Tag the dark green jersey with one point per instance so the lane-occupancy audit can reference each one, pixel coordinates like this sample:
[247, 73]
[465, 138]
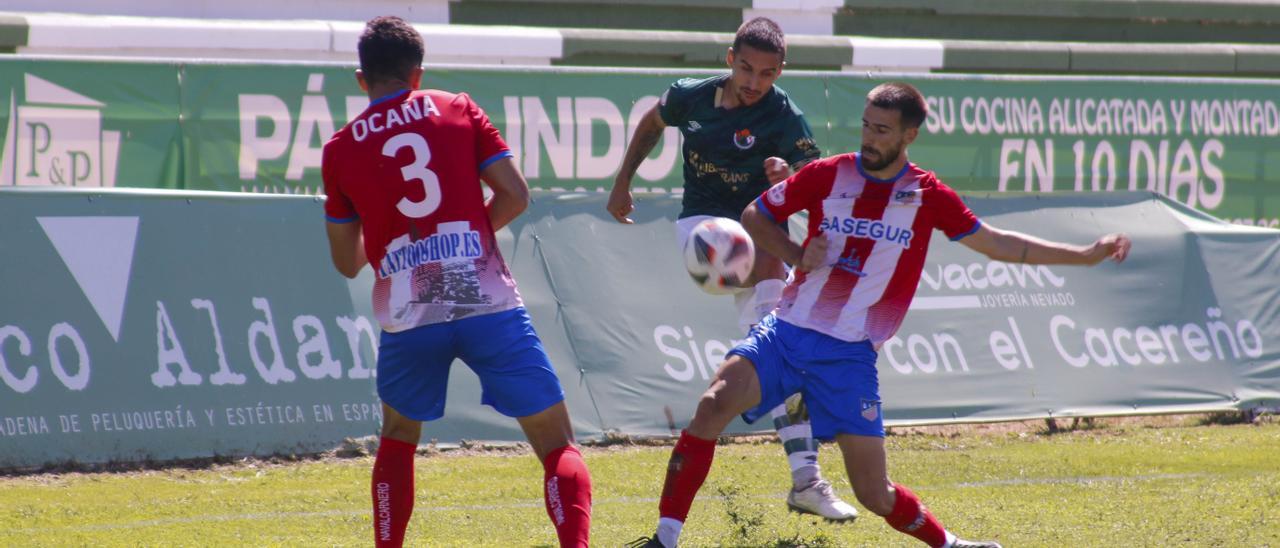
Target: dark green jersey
[724, 149]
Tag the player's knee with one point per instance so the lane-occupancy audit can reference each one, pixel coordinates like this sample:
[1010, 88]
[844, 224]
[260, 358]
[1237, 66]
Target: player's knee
[709, 405]
[548, 440]
[401, 428]
[715, 404]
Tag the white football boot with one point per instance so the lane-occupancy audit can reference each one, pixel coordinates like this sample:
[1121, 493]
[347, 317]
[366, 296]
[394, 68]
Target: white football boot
[820, 499]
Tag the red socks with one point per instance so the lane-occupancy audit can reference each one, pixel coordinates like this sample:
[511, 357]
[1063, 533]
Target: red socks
[566, 489]
[392, 489]
[911, 517]
[687, 469]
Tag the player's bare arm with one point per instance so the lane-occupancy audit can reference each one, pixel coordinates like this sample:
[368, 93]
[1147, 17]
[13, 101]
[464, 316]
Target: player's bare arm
[647, 135]
[510, 192]
[771, 237]
[346, 247]
[1016, 247]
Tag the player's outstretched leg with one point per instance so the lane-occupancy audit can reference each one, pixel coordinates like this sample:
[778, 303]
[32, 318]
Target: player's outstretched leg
[392, 483]
[810, 493]
[566, 483]
[864, 458]
[734, 389]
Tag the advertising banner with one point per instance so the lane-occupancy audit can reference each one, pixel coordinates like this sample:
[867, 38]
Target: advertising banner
[148, 325]
[1208, 144]
[1187, 323]
[259, 127]
[139, 325]
[100, 124]
[568, 128]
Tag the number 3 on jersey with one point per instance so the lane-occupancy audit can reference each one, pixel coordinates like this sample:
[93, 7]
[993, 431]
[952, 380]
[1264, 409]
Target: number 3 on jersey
[416, 170]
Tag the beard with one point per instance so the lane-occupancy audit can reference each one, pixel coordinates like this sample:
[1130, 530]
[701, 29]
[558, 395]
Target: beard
[878, 159]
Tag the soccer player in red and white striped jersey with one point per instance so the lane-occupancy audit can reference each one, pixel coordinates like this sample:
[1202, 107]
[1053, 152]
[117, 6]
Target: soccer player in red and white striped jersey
[881, 230]
[871, 215]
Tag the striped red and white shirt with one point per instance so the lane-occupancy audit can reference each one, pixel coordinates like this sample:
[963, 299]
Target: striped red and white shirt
[879, 233]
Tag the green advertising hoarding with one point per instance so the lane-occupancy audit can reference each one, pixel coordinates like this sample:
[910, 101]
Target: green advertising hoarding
[75, 123]
[139, 324]
[1209, 144]
[153, 325]
[259, 127]
[569, 128]
[143, 325]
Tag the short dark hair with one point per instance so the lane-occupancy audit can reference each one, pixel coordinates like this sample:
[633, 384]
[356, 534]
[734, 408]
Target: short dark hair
[902, 97]
[763, 34]
[389, 49]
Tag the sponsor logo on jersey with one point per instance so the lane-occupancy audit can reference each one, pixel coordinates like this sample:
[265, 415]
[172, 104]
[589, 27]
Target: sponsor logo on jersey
[432, 249]
[777, 194]
[852, 265]
[743, 139]
[808, 146]
[874, 229]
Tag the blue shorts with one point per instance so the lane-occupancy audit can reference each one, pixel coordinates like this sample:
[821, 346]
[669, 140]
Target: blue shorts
[837, 378]
[516, 377]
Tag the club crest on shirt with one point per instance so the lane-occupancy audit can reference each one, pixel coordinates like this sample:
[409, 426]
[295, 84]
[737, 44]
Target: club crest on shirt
[906, 196]
[870, 409]
[743, 139]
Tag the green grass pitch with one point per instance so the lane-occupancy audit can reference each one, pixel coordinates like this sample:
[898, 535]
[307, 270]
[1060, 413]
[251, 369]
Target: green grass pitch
[1122, 484]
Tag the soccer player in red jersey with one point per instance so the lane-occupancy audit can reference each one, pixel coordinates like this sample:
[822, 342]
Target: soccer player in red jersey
[403, 189]
[871, 214]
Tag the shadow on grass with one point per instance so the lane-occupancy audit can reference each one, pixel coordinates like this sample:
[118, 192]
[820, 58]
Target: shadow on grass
[1077, 424]
[1223, 418]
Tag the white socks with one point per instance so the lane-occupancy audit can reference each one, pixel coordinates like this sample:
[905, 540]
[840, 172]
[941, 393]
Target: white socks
[669, 531]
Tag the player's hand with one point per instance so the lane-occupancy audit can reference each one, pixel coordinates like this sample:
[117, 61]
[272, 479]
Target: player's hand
[776, 169]
[1112, 246]
[620, 203]
[815, 254]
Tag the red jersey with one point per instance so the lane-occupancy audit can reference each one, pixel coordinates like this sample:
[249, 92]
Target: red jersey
[879, 233]
[408, 168]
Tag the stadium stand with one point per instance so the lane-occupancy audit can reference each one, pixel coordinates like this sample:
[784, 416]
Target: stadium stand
[1197, 37]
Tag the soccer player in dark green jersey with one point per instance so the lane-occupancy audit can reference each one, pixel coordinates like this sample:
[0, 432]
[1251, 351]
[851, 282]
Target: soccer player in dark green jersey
[741, 135]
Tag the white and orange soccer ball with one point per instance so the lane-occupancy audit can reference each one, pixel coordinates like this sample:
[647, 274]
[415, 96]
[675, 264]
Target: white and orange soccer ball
[719, 255]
